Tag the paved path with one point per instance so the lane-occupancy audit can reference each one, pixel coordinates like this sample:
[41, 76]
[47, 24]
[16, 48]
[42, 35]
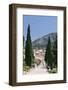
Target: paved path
[38, 70]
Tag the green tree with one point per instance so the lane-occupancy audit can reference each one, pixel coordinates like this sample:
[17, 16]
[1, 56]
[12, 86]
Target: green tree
[23, 50]
[28, 49]
[54, 51]
[48, 54]
[23, 41]
[51, 54]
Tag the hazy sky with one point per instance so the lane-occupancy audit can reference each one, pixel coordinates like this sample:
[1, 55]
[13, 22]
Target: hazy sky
[39, 25]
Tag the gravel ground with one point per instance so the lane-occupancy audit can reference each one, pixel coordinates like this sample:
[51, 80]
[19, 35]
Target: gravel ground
[38, 70]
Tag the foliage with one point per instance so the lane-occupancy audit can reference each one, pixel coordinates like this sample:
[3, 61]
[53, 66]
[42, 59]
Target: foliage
[28, 49]
[26, 68]
[48, 53]
[54, 50]
[51, 55]
[54, 70]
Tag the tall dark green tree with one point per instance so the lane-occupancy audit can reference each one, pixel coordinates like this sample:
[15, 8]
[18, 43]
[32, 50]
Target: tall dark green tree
[48, 54]
[28, 49]
[51, 54]
[23, 50]
[54, 51]
[23, 41]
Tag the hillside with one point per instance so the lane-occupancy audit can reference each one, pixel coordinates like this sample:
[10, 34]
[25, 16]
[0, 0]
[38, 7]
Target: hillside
[42, 41]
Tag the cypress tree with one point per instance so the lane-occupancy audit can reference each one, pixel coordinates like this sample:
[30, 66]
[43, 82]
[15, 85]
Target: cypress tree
[28, 49]
[54, 51]
[51, 54]
[23, 50]
[48, 54]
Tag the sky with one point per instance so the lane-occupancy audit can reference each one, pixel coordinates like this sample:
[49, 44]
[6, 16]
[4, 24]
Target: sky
[39, 25]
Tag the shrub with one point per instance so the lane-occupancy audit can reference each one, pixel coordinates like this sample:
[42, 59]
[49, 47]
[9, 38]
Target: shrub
[26, 68]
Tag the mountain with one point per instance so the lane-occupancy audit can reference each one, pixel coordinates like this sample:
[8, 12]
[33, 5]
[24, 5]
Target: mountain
[42, 42]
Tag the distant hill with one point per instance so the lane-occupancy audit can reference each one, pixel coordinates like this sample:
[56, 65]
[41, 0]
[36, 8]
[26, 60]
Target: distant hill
[42, 41]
